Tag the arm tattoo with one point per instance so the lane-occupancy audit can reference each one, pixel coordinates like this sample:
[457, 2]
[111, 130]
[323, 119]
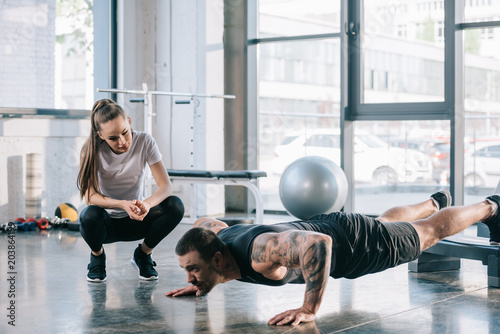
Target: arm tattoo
[309, 251]
[209, 224]
[260, 253]
[315, 260]
[282, 250]
[313, 255]
[298, 250]
[289, 250]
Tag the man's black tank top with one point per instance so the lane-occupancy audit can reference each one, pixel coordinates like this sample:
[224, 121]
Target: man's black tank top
[239, 240]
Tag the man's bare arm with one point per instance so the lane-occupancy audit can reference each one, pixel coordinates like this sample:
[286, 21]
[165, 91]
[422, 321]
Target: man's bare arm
[309, 251]
[315, 264]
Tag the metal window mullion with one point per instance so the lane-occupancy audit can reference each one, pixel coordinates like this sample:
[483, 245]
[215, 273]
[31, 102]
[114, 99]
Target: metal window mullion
[350, 88]
[434, 110]
[475, 25]
[354, 27]
[252, 41]
[456, 79]
[252, 79]
[113, 46]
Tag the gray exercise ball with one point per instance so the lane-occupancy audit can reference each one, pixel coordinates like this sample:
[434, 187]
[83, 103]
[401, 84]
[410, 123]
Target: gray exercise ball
[313, 185]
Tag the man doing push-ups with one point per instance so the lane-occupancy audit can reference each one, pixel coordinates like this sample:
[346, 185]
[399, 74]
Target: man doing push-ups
[336, 244]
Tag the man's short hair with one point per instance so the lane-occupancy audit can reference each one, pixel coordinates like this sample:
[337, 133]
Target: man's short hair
[202, 240]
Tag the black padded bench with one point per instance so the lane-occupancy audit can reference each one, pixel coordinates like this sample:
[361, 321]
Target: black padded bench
[245, 178]
[446, 255]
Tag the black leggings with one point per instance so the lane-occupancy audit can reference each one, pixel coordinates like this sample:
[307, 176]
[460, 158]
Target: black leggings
[98, 228]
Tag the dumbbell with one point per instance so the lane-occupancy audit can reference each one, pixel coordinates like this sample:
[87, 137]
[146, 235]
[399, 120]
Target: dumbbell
[30, 224]
[25, 225]
[42, 224]
[7, 227]
[21, 225]
[57, 222]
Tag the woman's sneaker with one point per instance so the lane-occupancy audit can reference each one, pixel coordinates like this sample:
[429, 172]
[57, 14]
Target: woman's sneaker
[442, 198]
[144, 265]
[97, 268]
[494, 222]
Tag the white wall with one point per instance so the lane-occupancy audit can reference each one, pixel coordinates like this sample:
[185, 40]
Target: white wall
[59, 142]
[176, 46]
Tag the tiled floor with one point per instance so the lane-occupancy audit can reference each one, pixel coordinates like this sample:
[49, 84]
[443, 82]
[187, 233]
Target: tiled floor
[53, 296]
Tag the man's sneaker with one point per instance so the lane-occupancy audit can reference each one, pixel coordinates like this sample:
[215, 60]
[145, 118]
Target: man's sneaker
[442, 198]
[494, 222]
[97, 268]
[144, 265]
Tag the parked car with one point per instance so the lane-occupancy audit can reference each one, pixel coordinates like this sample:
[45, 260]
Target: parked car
[374, 160]
[482, 167]
[437, 150]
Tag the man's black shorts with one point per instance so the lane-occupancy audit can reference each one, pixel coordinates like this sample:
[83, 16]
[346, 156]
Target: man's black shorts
[364, 245]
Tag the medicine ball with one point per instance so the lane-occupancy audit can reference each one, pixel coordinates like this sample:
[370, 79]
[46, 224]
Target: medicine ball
[67, 210]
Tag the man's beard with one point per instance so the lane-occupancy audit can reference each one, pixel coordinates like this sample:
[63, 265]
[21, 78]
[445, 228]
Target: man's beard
[211, 282]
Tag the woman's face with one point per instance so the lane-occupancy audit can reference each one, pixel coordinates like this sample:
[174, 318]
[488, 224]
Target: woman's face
[117, 134]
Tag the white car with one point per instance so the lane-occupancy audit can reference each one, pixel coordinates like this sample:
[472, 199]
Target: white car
[482, 168]
[374, 160]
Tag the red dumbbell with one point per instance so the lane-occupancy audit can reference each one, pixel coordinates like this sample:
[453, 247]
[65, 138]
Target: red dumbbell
[42, 223]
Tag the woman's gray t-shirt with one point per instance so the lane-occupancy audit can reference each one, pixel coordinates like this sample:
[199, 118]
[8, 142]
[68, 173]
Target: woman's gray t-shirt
[121, 176]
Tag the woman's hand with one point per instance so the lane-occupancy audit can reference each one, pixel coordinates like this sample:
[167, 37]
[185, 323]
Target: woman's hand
[136, 209]
[142, 206]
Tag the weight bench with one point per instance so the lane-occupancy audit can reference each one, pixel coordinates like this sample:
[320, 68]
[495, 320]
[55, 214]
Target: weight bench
[245, 178]
[446, 255]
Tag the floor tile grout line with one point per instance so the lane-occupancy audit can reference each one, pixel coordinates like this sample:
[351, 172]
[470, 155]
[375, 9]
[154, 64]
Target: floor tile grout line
[409, 310]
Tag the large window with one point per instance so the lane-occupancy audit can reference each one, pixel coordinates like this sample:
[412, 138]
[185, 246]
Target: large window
[46, 54]
[299, 87]
[413, 110]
